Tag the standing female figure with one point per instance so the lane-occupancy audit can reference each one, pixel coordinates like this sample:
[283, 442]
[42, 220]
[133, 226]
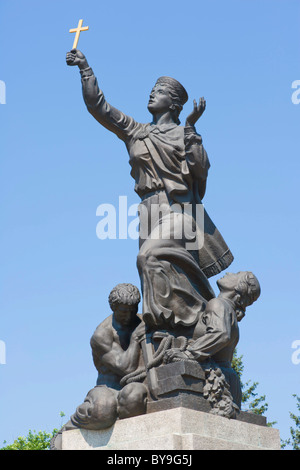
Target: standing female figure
[169, 165]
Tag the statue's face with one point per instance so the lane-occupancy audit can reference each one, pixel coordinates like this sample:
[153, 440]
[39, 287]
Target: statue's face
[125, 314]
[160, 100]
[98, 411]
[229, 281]
[84, 410]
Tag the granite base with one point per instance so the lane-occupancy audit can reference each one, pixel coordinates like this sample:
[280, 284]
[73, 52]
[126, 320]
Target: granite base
[175, 429]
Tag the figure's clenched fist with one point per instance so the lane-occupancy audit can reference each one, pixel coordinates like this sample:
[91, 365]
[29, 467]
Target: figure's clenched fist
[75, 57]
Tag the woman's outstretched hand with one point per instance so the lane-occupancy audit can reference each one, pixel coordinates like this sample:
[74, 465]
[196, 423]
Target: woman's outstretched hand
[197, 112]
[75, 57]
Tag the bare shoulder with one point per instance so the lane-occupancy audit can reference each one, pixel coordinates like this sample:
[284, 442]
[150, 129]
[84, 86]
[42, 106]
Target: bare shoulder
[104, 331]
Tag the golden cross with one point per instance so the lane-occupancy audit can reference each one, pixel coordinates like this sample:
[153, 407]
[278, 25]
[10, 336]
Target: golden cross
[78, 31]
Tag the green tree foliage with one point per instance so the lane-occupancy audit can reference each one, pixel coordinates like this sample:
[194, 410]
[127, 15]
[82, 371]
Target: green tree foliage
[251, 401]
[294, 440]
[33, 441]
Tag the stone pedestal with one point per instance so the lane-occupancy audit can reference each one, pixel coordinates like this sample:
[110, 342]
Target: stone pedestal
[175, 429]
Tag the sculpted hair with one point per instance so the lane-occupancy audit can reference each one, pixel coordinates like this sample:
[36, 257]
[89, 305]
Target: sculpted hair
[176, 104]
[127, 294]
[178, 94]
[249, 290]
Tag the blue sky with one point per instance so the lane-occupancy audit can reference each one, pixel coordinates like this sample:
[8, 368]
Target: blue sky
[58, 165]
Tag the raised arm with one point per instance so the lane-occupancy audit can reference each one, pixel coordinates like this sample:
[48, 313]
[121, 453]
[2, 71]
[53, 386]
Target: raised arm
[110, 117]
[196, 158]
[196, 155]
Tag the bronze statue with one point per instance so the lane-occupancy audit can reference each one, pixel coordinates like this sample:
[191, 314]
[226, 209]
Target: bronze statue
[115, 348]
[116, 353]
[178, 352]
